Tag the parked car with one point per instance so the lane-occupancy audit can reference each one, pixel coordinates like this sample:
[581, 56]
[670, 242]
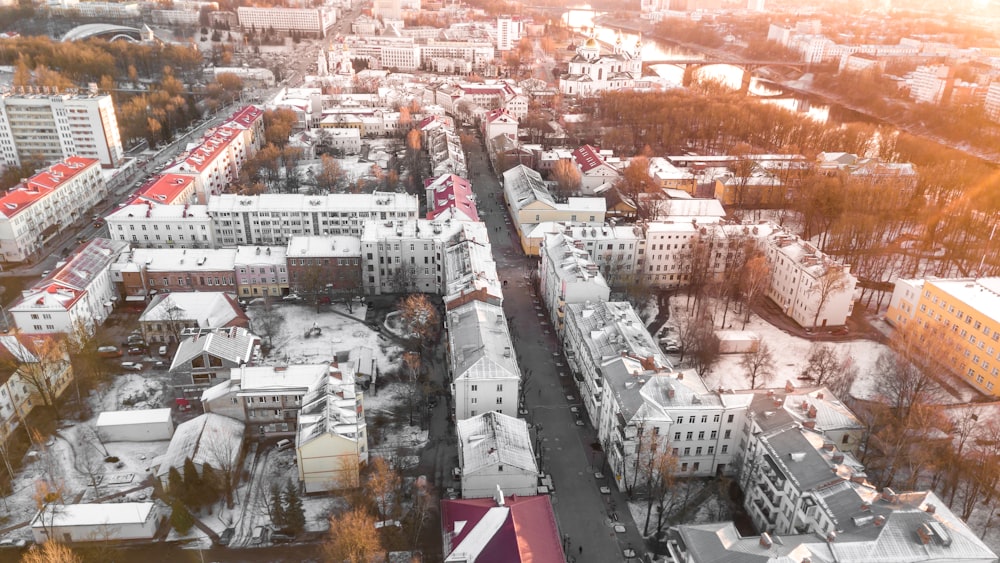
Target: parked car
[226, 536]
[291, 297]
[282, 537]
[132, 366]
[163, 350]
[136, 339]
[136, 351]
[109, 352]
[284, 444]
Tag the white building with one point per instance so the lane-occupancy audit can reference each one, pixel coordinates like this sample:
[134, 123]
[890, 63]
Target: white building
[992, 103]
[312, 22]
[596, 175]
[508, 32]
[808, 286]
[275, 218]
[269, 397]
[215, 162]
[928, 84]
[471, 273]
[150, 225]
[29, 364]
[331, 443]
[140, 425]
[567, 275]
[261, 271]
[80, 294]
[615, 249]
[494, 451]
[482, 368]
[498, 122]
[38, 209]
[591, 72]
[402, 256]
[59, 126]
[347, 140]
[73, 523]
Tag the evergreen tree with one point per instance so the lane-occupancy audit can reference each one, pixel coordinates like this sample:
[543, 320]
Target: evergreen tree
[193, 489]
[210, 484]
[180, 518]
[277, 507]
[295, 515]
[175, 484]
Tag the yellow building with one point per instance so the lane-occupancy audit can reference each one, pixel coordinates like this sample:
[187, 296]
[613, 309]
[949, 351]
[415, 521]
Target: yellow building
[965, 312]
[29, 362]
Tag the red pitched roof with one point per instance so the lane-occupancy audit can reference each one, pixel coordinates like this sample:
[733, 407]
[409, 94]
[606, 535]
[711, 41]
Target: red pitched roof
[245, 117]
[528, 535]
[210, 148]
[164, 188]
[42, 184]
[500, 114]
[587, 158]
[450, 191]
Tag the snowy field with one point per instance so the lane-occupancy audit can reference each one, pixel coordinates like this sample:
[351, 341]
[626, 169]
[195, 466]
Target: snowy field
[339, 334]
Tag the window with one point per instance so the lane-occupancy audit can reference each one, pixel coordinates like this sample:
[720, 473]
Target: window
[691, 419]
[714, 435]
[727, 434]
[704, 418]
[697, 451]
[684, 467]
[689, 436]
[676, 452]
[473, 400]
[500, 387]
[687, 451]
[711, 450]
[701, 435]
[845, 439]
[724, 449]
[695, 466]
[677, 436]
[730, 419]
[499, 400]
[475, 387]
[715, 418]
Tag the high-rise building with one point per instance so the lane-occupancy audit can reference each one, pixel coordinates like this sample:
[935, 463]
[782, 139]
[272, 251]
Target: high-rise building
[53, 127]
[508, 32]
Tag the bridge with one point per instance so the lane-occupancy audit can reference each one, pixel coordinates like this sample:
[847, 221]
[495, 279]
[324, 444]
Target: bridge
[748, 66]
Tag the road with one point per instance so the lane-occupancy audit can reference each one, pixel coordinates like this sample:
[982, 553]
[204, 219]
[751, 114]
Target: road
[585, 516]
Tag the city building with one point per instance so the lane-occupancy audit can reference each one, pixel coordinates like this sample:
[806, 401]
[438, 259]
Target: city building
[470, 273]
[932, 84]
[508, 32]
[567, 275]
[215, 162]
[206, 439]
[494, 451]
[511, 529]
[30, 365]
[668, 176]
[210, 354]
[331, 443]
[615, 249]
[144, 272]
[992, 102]
[810, 287]
[169, 314]
[276, 218]
[267, 398]
[38, 209]
[596, 175]
[59, 126]
[261, 271]
[167, 189]
[145, 224]
[499, 122]
[530, 203]
[450, 196]
[324, 266]
[961, 316]
[591, 72]
[482, 368]
[78, 295]
[85, 523]
[308, 22]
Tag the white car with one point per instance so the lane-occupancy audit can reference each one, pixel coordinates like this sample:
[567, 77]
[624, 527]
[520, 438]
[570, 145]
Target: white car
[291, 297]
[133, 366]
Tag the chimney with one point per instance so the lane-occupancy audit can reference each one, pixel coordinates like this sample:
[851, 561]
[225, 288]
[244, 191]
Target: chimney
[859, 478]
[680, 375]
[879, 520]
[788, 386]
[765, 540]
[810, 424]
[930, 508]
[924, 534]
[838, 457]
[805, 405]
[828, 446]
[770, 393]
[670, 392]
[831, 537]
[888, 495]
[865, 507]
[812, 412]
[819, 395]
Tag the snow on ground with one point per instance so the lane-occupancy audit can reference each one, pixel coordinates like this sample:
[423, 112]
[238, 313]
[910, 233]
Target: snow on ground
[790, 355]
[389, 397]
[131, 391]
[318, 511]
[649, 309]
[339, 334]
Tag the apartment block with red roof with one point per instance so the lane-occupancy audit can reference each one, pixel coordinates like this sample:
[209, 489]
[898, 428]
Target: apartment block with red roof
[215, 162]
[42, 206]
[450, 195]
[249, 120]
[500, 530]
[594, 170]
[167, 189]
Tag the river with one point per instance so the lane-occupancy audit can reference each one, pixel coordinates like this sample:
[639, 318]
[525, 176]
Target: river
[582, 18]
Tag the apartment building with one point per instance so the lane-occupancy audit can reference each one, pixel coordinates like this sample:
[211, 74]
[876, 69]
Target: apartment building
[992, 101]
[449, 195]
[401, 256]
[261, 271]
[961, 316]
[498, 122]
[79, 294]
[167, 189]
[481, 54]
[615, 249]
[596, 174]
[482, 367]
[600, 332]
[311, 22]
[38, 209]
[508, 32]
[470, 272]
[809, 286]
[144, 272]
[668, 176]
[58, 126]
[331, 441]
[324, 266]
[215, 162]
[168, 315]
[208, 355]
[273, 219]
[27, 362]
[529, 203]
[568, 276]
[932, 84]
[145, 224]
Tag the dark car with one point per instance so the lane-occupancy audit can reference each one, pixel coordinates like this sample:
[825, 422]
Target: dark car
[136, 351]
[282, 537]
[226, 536]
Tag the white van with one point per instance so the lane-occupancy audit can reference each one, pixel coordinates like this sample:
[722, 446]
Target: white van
[284, 444]
[134, 366]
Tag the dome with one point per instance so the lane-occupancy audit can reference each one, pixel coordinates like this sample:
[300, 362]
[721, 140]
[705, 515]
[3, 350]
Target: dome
[591, 43]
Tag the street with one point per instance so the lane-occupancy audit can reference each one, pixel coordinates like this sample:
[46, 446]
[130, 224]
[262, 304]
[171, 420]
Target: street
[586, 517]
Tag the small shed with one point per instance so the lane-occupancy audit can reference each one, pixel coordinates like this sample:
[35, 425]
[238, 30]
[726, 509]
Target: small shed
[144, 425]
[96, 522]
[737, 341]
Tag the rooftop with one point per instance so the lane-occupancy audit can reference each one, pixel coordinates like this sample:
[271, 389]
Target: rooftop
[265, 379]
[494, 438]
[208, 438]
[479, 343]
[250, 255]
[520, 530]
[613, 328]
[138, 416]
[525, 186]
[329, 246]
[330, 406]
[233, 344]
[166, 188]
[209, 309]
[300, 203]
[147, 209]
[103, 514]
[42, 184]
[178, 260]
[983, 294]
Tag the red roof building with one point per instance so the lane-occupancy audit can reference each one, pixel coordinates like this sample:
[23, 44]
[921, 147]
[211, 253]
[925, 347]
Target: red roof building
[450, 194]
[167, 189]
[515, 530]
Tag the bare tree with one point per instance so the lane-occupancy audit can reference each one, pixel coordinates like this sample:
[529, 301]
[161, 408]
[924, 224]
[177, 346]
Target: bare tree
[329, 176]
[421, 318]
[754, 281]
[226, 456]
[175, 319]
[41, 362]
[833, 281]
[705, 350]
[758, 364]
[268, 322]
[661, 476]
[50, 552]
[822, 363]
[567, 177]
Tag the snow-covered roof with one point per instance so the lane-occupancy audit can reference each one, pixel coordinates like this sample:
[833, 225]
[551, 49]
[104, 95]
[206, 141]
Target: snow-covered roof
[479, 343]
[208, 438]
[104, 514]
[299, 203]
[331, 406]
[210, 309]
[233, 344]
[524, 186]
[570, 262]
[179, 259]
[675, 208]
[138, 416]
[422, 229]
[269, 379]
[158, 211]
[88, 262]
[982, 294]
[253, 255]
[330, 246]
[469, 267]
[612, 328]
[493, 438]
